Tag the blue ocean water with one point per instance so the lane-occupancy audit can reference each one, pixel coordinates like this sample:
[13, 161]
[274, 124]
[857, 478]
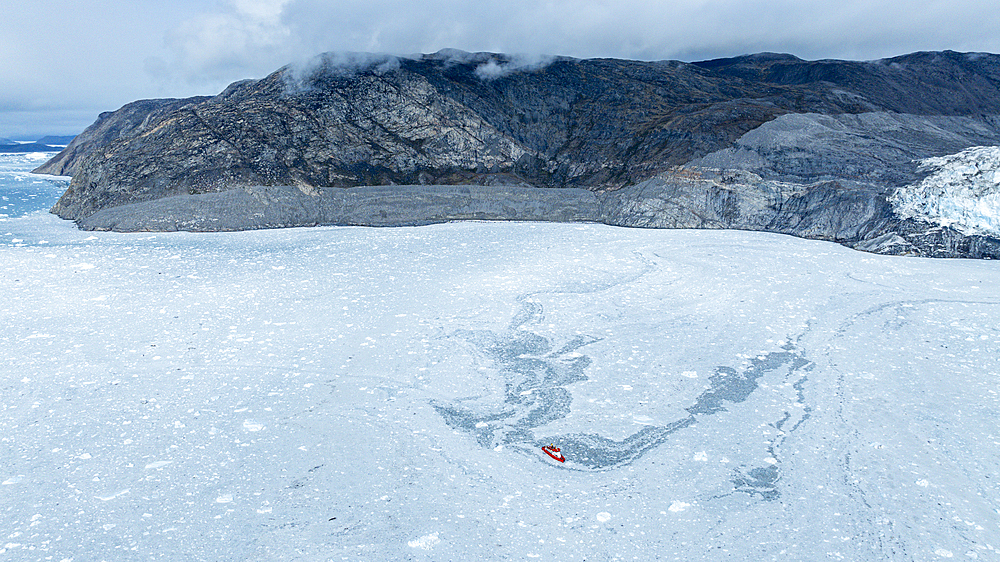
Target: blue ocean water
[23, 193]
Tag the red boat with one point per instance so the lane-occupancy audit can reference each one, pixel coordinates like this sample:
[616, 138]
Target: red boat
[553, 451]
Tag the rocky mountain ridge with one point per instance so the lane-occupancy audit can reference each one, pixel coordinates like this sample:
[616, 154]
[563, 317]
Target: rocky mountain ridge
[764, 142]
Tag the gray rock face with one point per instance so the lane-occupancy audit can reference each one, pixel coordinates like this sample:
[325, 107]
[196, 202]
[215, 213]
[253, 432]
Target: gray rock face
[763, 142]
[403, 205]
[877, 148]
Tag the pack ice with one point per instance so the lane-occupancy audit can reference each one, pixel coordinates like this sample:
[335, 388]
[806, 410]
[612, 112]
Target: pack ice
[384, 394]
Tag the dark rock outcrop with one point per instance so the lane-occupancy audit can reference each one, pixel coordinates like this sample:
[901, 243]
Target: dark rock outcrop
[111, 126]
[762, 142]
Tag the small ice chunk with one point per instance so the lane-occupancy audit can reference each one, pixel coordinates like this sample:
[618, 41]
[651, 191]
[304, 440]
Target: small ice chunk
[425, 542]
[701, 456]
[922, 483]
[224, 498]
[678, 506]
[157, 464]
[603, 517]
[690, 374]
[251, 425]
[113, 496]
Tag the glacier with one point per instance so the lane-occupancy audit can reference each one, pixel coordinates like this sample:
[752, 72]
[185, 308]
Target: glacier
[337, 393]
[961, 191]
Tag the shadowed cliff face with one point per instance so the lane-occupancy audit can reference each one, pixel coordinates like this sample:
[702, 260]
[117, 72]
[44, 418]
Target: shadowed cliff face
[846, 133]
[926, 83]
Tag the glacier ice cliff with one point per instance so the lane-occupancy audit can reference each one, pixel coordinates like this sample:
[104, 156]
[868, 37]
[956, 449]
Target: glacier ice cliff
[962, 191]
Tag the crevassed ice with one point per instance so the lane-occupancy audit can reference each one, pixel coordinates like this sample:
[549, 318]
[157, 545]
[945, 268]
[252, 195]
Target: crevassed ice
[962, 191]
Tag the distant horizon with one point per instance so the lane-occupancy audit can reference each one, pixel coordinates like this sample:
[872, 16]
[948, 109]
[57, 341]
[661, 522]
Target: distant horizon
[28, 139]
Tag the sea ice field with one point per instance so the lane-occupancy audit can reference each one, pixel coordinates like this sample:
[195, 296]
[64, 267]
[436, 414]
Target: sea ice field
[347, 393]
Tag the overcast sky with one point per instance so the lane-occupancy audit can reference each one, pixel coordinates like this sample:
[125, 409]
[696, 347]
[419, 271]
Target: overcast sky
[64, 61]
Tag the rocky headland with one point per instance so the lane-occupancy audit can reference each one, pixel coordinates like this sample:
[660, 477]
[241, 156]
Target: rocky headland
[818, 149]
[8, 146]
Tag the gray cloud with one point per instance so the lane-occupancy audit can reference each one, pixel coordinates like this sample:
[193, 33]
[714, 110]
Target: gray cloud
[494, 68]
[299, 75]
[94, 55]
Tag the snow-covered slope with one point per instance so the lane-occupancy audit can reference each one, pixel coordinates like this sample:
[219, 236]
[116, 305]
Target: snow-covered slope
[962, 191]
[382, 394]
